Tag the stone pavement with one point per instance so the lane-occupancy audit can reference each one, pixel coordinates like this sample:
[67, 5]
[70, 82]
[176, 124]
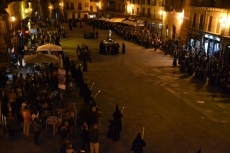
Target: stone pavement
[180, 114]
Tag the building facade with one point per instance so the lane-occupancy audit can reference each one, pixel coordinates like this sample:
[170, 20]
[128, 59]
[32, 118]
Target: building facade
[75, 9]
[208, 26]
[175, 19]
[148, 11]
[4, 39]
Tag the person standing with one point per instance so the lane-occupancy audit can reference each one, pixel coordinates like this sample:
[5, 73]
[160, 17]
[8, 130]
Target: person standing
[15, 73]
[37, 129]
[94, 139]
[117, 124]
[26, 121]
[63, 33]
[123, 48]
[64, 145]
[12, 97]
[85, 136]
[11, 125]
[138, 144]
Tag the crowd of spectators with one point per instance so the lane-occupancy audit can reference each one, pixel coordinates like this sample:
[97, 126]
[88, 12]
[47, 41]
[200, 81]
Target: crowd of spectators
[215, 68]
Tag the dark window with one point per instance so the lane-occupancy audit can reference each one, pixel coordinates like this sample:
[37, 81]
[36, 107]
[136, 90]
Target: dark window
[149, 14]
[201, 21]
[72, 6]
[67, 5]
[148, 2]
[143, 2]
[194, 20]
[210, 23]
[79, 6]
[143, 11]
[212, 3]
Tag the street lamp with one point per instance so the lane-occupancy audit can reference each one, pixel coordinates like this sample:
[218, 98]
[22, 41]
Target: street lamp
[161, 14]
[12, 20]
[13, 24]
[50, 8]
[129, 9]
[36, 15]
[97, 6]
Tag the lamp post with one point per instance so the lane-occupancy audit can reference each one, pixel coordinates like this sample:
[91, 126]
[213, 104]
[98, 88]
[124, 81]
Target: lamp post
[97, 10]
[129, 9]
[36, 16]
[97, 6]
[61, 10]
[50, 8]
[13, 24]
[161, 14]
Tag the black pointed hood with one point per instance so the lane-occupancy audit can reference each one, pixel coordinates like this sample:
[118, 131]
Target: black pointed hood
[138, 136]
[117, 113]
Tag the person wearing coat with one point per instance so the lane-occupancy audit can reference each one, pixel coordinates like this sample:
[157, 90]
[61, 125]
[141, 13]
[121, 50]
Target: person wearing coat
[138, 144]
[116, 124]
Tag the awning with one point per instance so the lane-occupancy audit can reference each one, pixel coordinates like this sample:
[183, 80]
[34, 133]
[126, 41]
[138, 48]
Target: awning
[140, 21]
[112, 20]
[102, 19]
[117, 19]
[128, 22]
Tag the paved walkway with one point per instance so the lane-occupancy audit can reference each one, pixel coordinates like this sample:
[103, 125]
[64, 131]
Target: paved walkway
[180, 114]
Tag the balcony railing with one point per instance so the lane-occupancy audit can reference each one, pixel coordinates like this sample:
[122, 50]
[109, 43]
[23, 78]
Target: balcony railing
[79, 8]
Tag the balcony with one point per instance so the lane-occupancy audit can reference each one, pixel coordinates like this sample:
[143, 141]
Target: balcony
[79, 8]
[72, 8]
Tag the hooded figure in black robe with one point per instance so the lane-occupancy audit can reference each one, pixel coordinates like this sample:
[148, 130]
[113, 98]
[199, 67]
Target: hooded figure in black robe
[79, 77]
[138, 144]
[123, 48]
[116, 124]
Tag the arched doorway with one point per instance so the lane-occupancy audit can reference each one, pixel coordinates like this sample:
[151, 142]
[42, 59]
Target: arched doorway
[85, 16]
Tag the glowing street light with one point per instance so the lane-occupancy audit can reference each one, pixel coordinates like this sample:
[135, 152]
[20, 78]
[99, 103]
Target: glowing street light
[26, 11]
[13, 18]
[50, 7]
[129, 9]
[12, 22]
